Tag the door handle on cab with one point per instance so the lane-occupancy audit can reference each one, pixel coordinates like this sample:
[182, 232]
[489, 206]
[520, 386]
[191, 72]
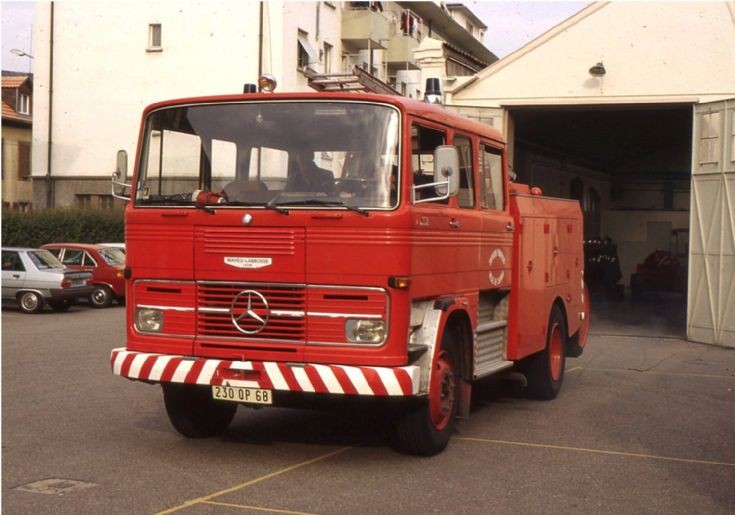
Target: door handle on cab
[509, 227]
[454, 223]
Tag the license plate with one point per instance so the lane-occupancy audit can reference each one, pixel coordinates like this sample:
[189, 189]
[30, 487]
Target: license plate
[79, 282]
[240, 394]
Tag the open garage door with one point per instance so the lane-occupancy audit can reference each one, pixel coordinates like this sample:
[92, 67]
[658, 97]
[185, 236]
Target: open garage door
[711, 304]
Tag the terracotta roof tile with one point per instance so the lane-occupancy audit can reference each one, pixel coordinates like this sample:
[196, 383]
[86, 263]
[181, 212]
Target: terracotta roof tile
[13, 81]
[8, 113]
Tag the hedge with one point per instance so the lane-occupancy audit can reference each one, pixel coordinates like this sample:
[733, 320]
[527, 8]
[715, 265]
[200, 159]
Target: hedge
[69, 225]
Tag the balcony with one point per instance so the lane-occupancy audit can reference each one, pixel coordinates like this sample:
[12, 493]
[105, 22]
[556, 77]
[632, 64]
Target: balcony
[365, 28]
[400, 52]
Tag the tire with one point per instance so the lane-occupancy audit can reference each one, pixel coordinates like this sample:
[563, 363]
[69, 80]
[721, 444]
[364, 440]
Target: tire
[545, 370]
[101, 297]
[30, 302]
[426, 430]
[60, 305]
[194, 413]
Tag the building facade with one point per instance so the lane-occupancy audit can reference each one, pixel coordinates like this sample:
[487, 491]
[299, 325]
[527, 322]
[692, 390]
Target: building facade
[17, 123]
[629, 107]
[98, 65]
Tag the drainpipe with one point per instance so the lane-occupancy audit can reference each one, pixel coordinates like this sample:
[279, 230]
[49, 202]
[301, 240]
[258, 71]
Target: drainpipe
[260, 40]
[49, 184]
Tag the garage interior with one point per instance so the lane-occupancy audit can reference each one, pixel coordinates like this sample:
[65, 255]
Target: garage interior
[630, 168]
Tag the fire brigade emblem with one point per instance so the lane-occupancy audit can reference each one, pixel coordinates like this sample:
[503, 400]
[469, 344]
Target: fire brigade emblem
[497, 267]
[249, 312]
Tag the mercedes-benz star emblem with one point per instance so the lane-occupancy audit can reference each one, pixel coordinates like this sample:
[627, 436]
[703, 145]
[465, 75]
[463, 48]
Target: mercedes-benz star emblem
[254, 316]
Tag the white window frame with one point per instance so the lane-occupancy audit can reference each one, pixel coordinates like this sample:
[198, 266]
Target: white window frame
[24, 104]
[153, 45]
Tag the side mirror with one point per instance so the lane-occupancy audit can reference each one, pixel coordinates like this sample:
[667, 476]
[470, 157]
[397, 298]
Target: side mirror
[446, 168]
[119, 175]
[446, 175]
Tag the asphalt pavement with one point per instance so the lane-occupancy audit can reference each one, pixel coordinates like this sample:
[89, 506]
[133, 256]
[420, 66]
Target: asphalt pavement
[645, 423]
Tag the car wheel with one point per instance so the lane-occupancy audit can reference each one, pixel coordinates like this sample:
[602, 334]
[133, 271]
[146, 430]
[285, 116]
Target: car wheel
[60, 305]
[101, 297]
[194, 413]
[426, 430]
[30, 302]
[545, 370]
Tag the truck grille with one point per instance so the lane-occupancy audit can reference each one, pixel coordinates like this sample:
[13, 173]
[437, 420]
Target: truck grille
[286, 304]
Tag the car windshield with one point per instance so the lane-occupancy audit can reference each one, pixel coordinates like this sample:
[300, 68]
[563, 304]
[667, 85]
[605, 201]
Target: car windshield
[270, 154]
[44, 260]
[112, 256]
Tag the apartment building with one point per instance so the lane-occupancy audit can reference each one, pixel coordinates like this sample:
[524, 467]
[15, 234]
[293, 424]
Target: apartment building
[99, 64]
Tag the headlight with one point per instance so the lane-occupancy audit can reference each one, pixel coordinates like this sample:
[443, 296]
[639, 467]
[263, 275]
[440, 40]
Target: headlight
[149, 320]
[365, 331]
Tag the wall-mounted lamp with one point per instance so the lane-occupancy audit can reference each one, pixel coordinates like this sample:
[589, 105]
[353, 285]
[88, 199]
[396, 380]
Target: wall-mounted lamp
[20, 53]
[598, 70]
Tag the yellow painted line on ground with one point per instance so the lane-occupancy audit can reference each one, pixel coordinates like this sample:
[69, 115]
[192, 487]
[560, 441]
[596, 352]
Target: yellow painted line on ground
[253, 481]
[255, 508]
[686, 374]
[572, 369]
[595, 451]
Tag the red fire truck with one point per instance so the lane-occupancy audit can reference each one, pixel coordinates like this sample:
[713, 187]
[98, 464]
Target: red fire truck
[289, 247]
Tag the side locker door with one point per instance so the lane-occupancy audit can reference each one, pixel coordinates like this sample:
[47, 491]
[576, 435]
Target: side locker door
[711, 293]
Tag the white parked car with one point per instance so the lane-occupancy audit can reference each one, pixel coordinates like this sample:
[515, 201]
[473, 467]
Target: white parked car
[34, 278]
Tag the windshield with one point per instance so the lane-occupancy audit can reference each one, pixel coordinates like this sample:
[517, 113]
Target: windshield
[316, 154]
[112, 256]
[44, 260]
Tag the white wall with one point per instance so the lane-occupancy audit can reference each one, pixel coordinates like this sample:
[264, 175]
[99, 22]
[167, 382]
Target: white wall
[649, 49]
[104, 77]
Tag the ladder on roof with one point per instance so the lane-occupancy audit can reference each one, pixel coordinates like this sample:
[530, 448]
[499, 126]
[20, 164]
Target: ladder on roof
[359, 81]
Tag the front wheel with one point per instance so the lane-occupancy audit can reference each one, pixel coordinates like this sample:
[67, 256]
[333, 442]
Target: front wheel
[545, 370]
[194, 413]
[30, 302]
[426, 430]
[101, 297]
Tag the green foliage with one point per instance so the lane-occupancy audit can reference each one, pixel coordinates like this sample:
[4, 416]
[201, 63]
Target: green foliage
[61, 225]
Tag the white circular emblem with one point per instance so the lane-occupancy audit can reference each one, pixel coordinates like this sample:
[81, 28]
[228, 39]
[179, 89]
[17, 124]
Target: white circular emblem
[496, 277]
[253, 316]
[247, 219]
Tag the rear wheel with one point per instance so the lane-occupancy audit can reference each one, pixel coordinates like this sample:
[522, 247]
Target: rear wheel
[545, 370]
[426, 430]
[101, 297]
[30, 302]
[194, 413]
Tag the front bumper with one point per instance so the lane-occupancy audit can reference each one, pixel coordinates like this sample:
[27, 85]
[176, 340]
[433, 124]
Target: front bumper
[271, 375]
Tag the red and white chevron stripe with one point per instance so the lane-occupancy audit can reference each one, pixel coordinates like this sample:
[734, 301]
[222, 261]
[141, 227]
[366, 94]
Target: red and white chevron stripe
[313, 378]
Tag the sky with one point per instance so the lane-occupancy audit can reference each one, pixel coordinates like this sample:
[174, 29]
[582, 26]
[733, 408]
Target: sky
[510, 25]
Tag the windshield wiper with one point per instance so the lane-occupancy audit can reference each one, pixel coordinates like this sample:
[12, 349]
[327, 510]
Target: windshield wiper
[178, 200]
[319, 202]
[267, 205]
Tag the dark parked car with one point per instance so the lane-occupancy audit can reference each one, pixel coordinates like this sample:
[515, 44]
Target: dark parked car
[34, 278]
[106, 264]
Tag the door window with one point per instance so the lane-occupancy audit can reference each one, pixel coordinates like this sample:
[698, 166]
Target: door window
[423, 142]
[491, 173]
[73, 257]
[12, 262]
[466, 193]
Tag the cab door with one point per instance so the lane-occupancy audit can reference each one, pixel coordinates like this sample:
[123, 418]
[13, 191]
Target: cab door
[497, 222]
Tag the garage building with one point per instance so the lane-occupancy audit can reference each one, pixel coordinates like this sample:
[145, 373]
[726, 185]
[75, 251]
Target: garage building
[630, 108]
